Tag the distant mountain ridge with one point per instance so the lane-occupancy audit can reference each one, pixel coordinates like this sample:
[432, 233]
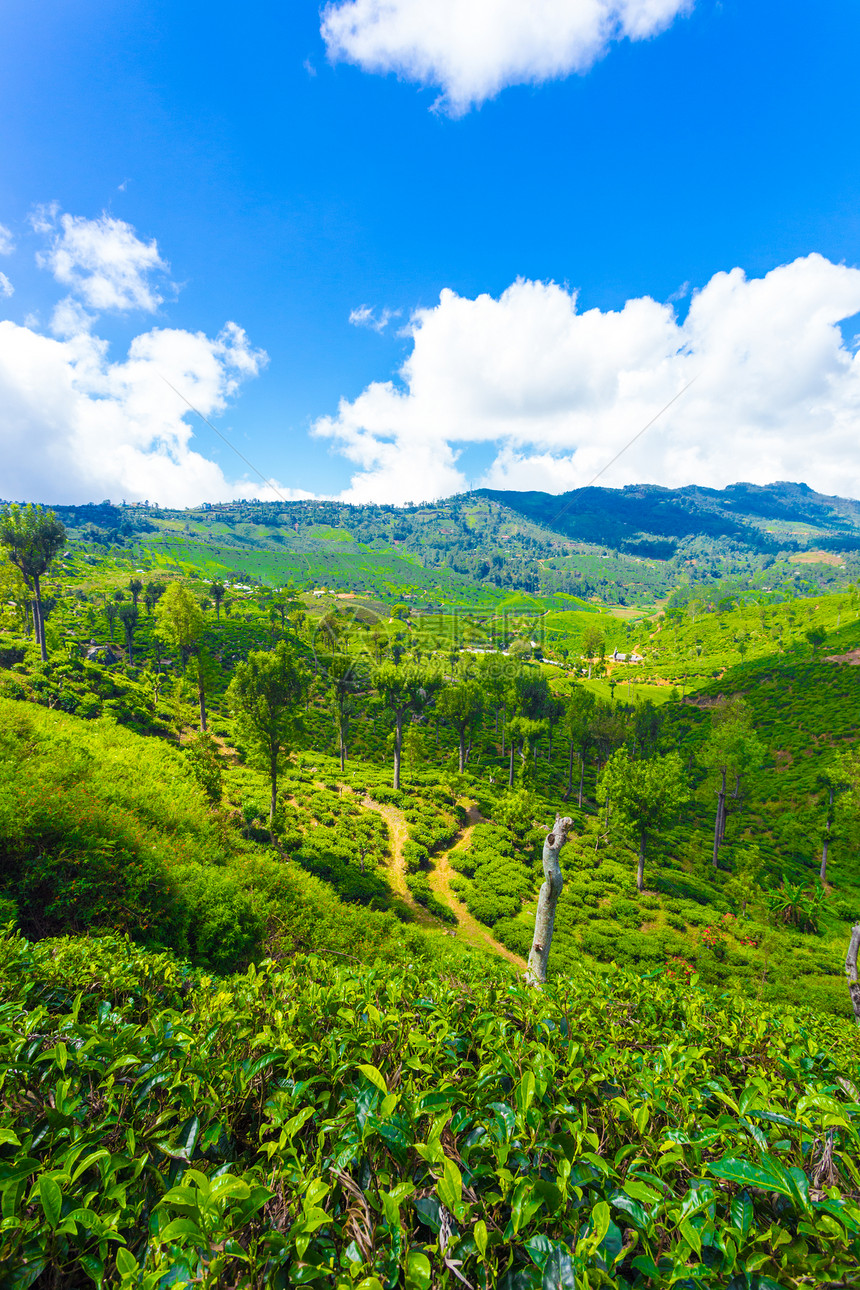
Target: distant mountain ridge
[649, 520]
[629, 546]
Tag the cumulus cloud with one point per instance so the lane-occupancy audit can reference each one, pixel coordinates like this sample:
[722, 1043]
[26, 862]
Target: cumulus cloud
[102, 261]
[472, 49]
[364, 316]
[6, 288]
[77, 427]
[7, 242]
[557, 392]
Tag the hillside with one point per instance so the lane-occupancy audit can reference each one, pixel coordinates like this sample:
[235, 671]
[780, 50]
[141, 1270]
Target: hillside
[305, 1039]
[629, 546]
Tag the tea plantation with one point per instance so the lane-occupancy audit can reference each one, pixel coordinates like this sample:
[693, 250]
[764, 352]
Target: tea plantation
[264, 1016]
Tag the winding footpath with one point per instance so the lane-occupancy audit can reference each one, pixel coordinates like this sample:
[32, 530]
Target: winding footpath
[399, 830]
[468, 927]
[440, 878]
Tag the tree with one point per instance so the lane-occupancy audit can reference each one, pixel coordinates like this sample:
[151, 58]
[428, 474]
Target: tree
[128, 616]
[265, 695]
[524, 733]
[111, 611]
[492, 682]
[180, 621]
[135, 586]
[462, 704]
[218, 592]
[346, 682]
[14, 591]
[153, 593]
[528, 702]
[648, 722]
[733, 749]
[578, 731]
[32, 538]
[547, 901]
[593, 642]
[646, 794]
[403, 690]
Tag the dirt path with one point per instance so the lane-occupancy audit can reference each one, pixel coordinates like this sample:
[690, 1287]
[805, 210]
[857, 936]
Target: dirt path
[468, 927]
[399, 829]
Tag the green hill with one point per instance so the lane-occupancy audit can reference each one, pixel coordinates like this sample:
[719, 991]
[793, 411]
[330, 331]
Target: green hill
[252, 1052]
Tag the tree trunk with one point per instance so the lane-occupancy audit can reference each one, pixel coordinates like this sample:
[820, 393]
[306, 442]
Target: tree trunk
[462, 749]
[569, 789]
[273, 779]
[547, 901]
[851, 971]
[581, 775]
[826, 845]
[201, 697]
[398, 744]
[40, 617]
[640, 870]
[511, 770]
[718, 823]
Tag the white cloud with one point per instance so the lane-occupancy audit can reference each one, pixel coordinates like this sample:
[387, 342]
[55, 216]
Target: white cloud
[77, 427]
[101, 260]
[7, 242]
[6, 288]
[364, 316]
[472, 49]
[557, 393]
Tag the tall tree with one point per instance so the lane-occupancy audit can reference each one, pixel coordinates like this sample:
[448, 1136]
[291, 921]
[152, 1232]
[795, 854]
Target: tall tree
[462, 704]
[128, 616]
[218, 592]
[14, 591]
[404, 690]
[153, 593]
[135, 586]
[346, 681]
[180, 621]
[111, 611]
[733, 750]
[592, 643]
[578, 731]
[646, 793]
[553, 881]
[265, 694]
[493, 685]
[32, 538]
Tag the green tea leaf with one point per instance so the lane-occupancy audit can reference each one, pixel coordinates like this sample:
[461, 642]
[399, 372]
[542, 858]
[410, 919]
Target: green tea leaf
[419, 1273]
[51, 1198]
[371, 1073]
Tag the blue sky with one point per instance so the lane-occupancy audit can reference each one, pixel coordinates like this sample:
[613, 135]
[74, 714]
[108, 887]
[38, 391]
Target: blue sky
[288, 182]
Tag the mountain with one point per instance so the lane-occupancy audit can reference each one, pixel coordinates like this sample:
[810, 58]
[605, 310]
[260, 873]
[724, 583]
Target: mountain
[632, 546]
[647, 520]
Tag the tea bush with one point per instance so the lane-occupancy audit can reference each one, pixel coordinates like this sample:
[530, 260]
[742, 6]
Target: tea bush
[310, 1123]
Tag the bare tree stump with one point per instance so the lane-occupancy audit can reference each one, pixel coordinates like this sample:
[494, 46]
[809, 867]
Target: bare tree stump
[547, 901]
